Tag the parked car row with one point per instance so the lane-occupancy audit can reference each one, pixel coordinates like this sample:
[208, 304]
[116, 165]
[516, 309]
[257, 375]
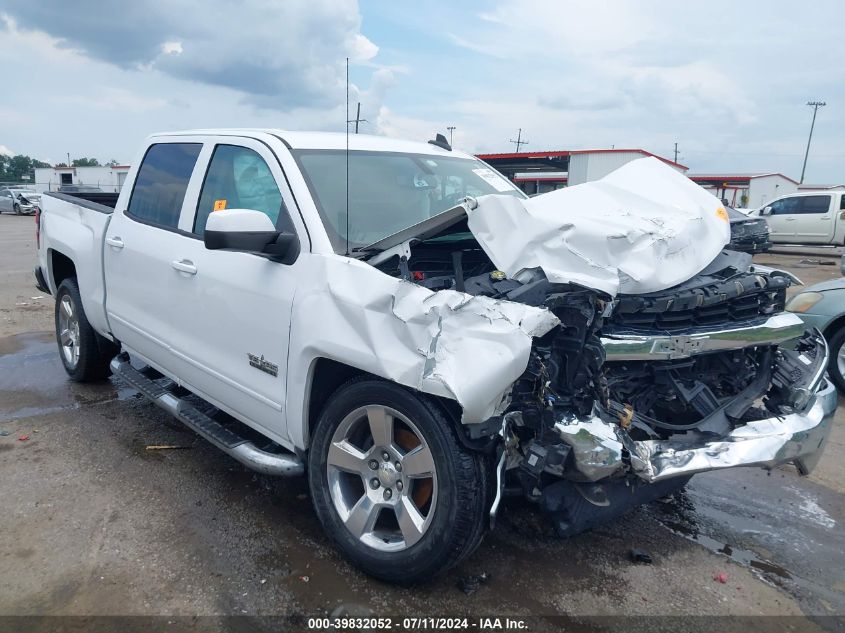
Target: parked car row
[19, 200]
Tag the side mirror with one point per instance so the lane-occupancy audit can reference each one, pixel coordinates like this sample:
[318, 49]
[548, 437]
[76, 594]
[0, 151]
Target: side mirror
[249, 231]
[766, 211]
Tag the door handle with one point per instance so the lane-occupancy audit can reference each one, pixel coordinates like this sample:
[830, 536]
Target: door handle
[184, 266]
[115, 242]
[789, 219]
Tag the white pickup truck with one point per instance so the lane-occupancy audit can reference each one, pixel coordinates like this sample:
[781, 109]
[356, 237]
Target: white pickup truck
[400, 323]
[807, 217]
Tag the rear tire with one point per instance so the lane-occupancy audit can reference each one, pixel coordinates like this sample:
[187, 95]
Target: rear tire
[407, 523]
[85, 354]
[836, 364]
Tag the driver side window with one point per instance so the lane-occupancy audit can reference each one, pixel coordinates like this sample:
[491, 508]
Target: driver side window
[238, 178]
[786, 206]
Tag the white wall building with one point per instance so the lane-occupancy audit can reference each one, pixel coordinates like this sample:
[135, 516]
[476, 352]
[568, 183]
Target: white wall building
[591, 164]
[108, 178]
[749, 191]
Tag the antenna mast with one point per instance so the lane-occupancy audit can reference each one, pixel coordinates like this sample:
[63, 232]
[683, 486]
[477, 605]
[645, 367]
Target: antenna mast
[519, 140]
[347, 156]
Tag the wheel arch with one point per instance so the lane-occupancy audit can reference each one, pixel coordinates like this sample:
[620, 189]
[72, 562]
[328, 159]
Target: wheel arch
[61, 268]
[834, 326]
[327, 375]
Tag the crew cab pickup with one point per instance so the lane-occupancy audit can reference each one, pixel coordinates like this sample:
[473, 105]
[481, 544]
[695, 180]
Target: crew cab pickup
[807, 217]
[401, 324]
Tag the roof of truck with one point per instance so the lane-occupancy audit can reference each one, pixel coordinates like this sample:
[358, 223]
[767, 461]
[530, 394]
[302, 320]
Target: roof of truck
[327, 140]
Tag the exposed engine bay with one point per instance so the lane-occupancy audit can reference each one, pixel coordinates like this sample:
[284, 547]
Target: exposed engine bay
[584, 415]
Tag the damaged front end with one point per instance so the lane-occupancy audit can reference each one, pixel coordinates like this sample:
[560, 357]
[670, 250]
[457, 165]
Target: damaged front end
[664, 355]
[609, 415]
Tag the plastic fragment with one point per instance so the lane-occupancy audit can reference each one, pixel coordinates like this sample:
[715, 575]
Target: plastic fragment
[470, 584]
[165, 447]
[640, 556]
[721, 577]
[23, 438]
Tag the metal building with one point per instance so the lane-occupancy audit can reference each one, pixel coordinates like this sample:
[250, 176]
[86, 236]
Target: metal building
[539, 172]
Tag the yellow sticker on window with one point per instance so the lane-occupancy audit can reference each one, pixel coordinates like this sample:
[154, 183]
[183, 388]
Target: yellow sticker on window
[219, 205]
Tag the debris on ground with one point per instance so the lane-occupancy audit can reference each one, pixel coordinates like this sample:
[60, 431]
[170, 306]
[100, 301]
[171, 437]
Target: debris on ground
[351, 610]
[166, 447]
[470, 584]
[304, 578]
[23, 438]
[817, 262]
[640, 556]
[721, 577]
[4, 432]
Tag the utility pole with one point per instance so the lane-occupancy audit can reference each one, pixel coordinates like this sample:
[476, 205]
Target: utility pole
[451, 129]
[357, 118]
[815, 105]
[68, 159]
[676, 152]
[519, 140]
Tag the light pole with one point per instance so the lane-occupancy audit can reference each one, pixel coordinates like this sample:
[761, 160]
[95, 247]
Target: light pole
[816, 105]
[451, 129]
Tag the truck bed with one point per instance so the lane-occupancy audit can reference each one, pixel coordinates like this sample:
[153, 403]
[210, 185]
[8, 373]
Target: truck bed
[101, 201]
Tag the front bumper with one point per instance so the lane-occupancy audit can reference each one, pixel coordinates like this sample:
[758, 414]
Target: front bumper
[771, 330]
[602, 449]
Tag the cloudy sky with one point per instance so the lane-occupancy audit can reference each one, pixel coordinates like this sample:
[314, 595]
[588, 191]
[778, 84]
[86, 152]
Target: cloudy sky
[727, 81]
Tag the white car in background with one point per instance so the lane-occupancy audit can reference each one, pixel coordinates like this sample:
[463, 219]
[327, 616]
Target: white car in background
[19, 200]
[810, 217]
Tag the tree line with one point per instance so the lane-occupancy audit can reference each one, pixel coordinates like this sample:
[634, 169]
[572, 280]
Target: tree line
[14, 168]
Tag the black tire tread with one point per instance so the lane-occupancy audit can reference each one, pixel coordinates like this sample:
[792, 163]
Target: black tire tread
[95, 351]
[468, 525]
[835, 343]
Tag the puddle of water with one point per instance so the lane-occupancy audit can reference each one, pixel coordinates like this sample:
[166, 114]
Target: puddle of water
[678, 516]
[33, 381]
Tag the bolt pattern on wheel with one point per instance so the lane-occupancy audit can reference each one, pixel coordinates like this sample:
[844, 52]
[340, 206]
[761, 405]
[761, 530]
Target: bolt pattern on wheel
[382, 478]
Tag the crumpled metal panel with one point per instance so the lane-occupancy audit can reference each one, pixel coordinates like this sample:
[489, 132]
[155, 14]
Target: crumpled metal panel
[445, 343]
[642, 228]
[796, 437]
[767, 443]
[596, 445]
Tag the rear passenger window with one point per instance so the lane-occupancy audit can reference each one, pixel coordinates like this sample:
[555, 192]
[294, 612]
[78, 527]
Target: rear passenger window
[161, 183]
[238, 178]
[815, 204]
[842, 202]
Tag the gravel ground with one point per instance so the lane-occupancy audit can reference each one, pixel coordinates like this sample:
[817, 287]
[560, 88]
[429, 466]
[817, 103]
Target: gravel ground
[94, 524]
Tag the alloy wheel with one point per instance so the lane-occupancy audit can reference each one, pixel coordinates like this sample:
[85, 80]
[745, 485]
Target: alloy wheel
[382, 478]
[69, 331]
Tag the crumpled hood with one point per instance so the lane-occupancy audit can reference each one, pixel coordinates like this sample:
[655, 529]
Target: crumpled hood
[645, 227]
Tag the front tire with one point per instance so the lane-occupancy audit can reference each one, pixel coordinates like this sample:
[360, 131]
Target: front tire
[836, 364]
[17, 209]
[85, 354]
[392, 485]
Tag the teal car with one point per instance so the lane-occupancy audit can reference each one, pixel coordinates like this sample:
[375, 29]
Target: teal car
[823, 306]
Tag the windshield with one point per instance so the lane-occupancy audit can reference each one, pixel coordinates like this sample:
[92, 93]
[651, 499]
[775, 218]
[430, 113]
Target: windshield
[390, 191]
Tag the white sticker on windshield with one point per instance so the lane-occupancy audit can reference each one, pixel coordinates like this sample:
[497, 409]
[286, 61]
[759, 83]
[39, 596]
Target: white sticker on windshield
[494, 179]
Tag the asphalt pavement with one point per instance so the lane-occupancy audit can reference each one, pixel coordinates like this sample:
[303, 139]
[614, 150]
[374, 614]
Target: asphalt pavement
[95, 523]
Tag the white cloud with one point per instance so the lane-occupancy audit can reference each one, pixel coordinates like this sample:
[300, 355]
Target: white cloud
[171, 48]
[280, 55]
[6, 151]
